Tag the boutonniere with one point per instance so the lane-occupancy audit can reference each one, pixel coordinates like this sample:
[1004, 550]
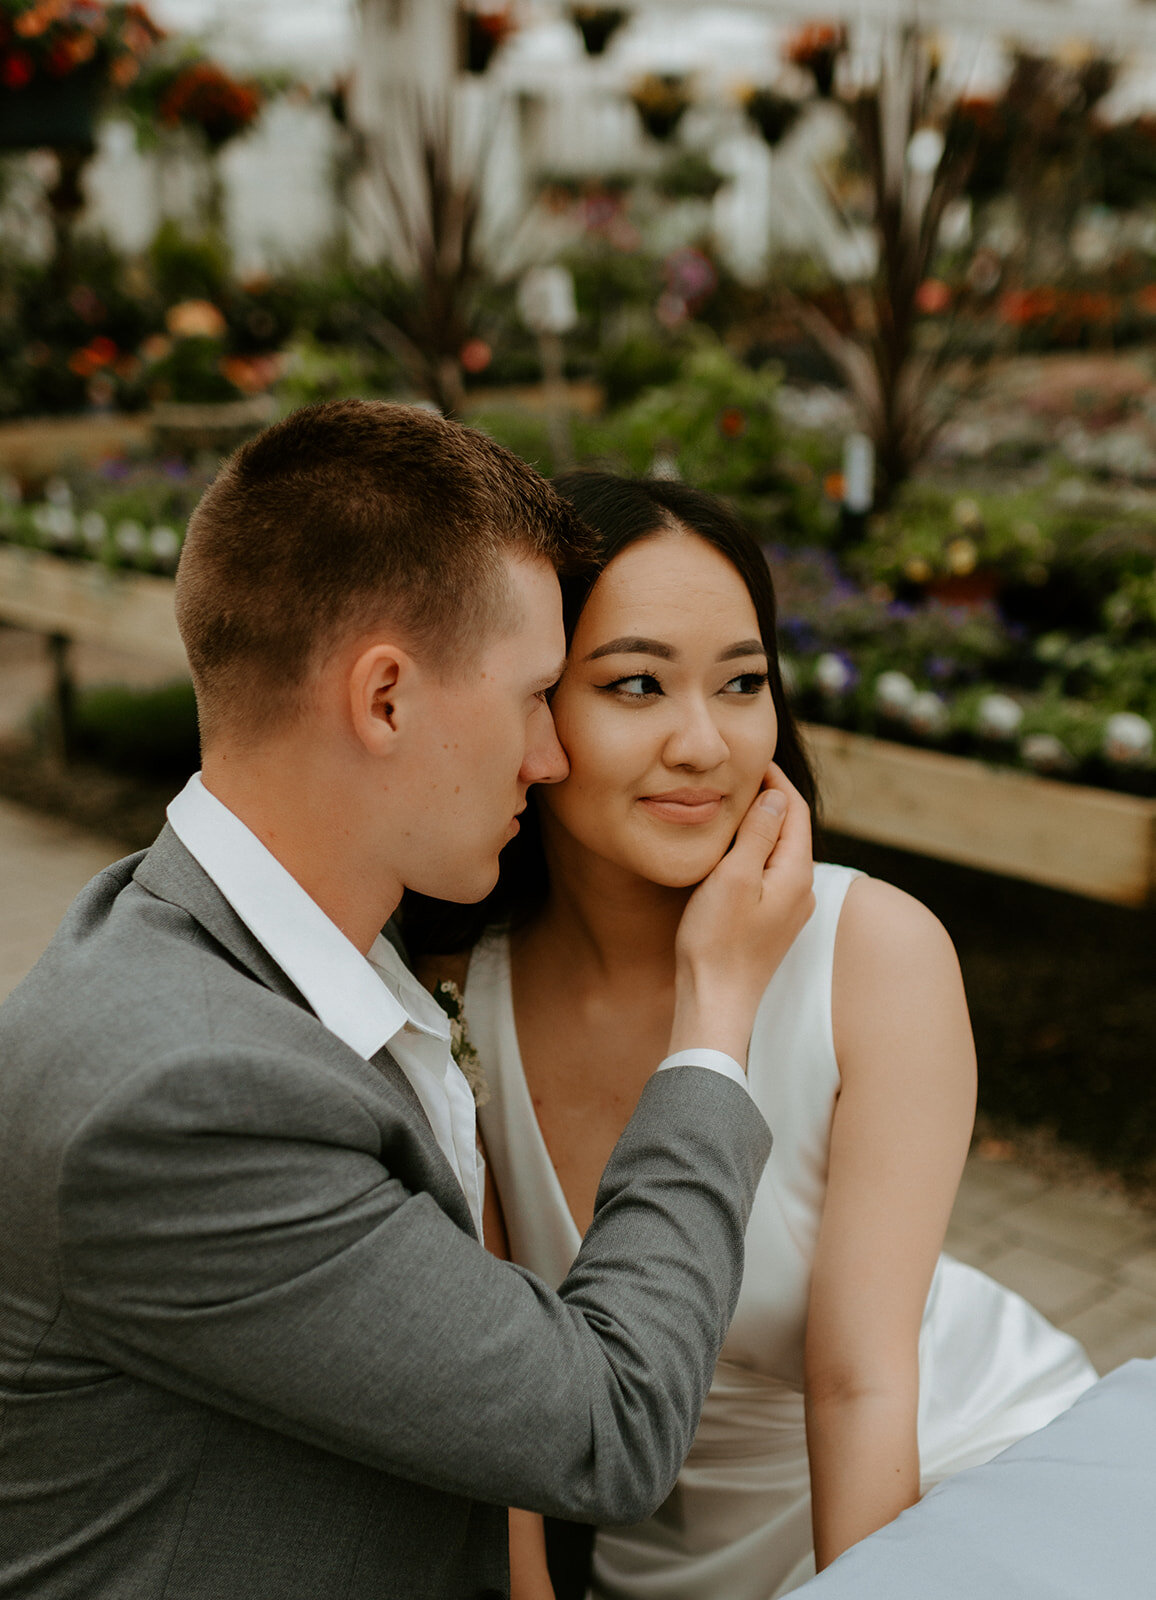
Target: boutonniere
[449, 997]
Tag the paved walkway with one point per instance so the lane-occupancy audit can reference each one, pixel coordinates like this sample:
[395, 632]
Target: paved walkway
[1086, 1258]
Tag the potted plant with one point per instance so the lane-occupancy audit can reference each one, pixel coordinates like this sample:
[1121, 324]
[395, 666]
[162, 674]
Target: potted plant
[598, 25]
[772, 113]
[817, 47]
[484, 30]
[660, 100]
[56, 59]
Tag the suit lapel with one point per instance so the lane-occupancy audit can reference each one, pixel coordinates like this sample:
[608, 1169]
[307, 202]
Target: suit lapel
[170, 873]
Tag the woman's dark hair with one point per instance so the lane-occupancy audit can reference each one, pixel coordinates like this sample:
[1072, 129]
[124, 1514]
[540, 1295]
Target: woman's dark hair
[621, 511]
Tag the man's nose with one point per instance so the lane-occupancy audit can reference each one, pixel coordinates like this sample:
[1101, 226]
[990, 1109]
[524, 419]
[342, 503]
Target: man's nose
[546, 761]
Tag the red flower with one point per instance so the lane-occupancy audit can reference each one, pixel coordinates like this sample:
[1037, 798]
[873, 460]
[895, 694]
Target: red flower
[732, 422]
[475, 355]
[1021, 306]
[813, 40]
[932, 296]
[1093, 307]
[207, 97]
[16, 70]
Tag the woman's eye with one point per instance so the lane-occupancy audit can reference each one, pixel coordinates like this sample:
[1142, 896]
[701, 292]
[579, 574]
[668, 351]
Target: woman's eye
[748, 683]
[638, 687]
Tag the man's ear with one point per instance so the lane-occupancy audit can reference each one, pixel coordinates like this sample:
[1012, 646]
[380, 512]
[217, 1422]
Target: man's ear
[380, 681]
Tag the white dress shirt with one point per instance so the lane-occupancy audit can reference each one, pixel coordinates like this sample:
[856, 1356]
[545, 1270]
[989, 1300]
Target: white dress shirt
[367, 1003]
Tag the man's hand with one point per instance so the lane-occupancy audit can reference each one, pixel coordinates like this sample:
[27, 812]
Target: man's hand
[741, 921]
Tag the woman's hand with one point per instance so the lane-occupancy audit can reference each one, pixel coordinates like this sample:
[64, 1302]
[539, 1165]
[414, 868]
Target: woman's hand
[741, 921]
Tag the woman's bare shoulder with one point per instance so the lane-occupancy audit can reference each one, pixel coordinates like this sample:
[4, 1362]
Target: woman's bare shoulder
[896, 976]
[881, 924]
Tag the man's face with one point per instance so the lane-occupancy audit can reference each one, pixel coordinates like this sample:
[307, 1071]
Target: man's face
[488, 735]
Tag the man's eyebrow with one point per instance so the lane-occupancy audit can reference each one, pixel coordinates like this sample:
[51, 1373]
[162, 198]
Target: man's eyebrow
[749, 647]
[632, 646]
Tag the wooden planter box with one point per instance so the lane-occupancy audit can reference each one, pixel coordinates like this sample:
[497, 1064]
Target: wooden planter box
[1088, 841]
[83, 600]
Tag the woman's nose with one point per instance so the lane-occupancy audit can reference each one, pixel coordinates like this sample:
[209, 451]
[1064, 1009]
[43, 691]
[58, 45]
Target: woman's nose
[695, 740]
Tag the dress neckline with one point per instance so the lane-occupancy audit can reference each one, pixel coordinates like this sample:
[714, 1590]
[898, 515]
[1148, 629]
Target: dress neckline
[514, 1085]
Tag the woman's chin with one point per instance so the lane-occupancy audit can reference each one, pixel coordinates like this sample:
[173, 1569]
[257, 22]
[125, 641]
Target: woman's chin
[683, 869]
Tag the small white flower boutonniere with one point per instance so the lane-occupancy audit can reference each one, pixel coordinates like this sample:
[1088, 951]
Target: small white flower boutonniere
[449, 997]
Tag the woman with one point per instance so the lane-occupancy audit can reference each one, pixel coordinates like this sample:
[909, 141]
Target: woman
[861, 1365]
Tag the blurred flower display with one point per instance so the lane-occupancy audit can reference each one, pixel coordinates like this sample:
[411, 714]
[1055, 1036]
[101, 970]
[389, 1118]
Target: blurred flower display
[204, 96]
[47, 41]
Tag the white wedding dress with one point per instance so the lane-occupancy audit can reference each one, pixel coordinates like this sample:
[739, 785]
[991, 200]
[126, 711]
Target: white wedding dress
[737, 1526]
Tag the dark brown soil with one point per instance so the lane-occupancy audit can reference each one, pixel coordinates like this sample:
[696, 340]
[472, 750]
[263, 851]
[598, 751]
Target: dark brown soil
[127, 810]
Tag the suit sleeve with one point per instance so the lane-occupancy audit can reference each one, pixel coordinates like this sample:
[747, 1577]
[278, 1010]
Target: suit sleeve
[238, 1237]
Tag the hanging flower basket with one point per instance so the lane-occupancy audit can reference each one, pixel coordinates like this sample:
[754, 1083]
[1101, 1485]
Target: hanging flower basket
[817, 47]
[202, 95]
[56, 58]
[660, 100]
[598, 25]
[51, 114]
[773, 114]
[484, 32]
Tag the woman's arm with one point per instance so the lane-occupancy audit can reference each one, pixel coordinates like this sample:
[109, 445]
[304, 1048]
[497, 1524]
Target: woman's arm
[898, 1141]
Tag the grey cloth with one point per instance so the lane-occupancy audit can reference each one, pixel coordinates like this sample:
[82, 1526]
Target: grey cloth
[250, 1347]
[1065, 1514]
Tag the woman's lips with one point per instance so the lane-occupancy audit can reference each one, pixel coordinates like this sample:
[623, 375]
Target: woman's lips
[684, 805]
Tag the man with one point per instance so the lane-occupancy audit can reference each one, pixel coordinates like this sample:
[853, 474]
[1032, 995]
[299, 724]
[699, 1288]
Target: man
[250, 1344]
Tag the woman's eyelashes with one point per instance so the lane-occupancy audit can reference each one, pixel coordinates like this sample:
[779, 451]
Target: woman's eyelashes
[645, 686]
[638, 686]
[747, 683]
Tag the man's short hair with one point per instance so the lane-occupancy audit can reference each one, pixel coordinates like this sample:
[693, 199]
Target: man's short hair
[343, 516]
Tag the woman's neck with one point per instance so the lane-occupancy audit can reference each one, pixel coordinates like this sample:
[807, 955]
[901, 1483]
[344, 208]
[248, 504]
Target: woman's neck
[608, 922]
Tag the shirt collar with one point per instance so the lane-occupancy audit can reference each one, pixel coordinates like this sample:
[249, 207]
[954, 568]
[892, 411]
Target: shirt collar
[346, 991]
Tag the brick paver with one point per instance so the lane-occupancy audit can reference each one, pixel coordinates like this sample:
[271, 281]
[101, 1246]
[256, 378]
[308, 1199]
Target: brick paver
[1086, 1258]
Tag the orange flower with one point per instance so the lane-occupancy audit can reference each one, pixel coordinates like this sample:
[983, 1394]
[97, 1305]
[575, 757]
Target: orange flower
[932, 296]
[156, 347]
[123, 70]
[475, 355]
[195, 319]
[253, 374]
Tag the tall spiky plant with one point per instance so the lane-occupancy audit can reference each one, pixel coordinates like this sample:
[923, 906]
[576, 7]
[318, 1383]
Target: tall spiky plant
[913, 174]
[432, 187]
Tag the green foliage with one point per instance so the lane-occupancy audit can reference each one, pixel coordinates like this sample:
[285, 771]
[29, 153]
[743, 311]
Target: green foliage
[634, 364]
[718, 416]
[185, 266]
[147, 733]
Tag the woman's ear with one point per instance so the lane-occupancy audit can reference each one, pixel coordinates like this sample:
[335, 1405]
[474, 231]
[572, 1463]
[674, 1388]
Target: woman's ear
[379, 680]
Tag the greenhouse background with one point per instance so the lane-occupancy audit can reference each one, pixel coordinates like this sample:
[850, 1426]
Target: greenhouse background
[882, 275]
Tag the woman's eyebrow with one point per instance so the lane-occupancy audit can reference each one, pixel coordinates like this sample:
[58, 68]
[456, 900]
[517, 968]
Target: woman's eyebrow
[749, 647]
[632, 646]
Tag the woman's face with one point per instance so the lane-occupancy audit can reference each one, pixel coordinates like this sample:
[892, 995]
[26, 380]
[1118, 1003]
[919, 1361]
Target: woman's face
[664, 711]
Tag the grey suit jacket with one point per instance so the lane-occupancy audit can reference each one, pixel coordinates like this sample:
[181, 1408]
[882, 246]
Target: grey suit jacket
[250, 1347]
